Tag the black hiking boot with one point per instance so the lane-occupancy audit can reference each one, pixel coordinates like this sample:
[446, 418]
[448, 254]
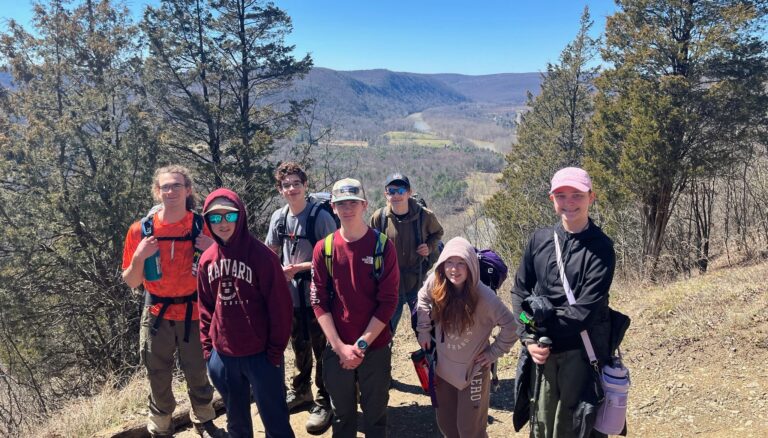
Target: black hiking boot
[210, 430]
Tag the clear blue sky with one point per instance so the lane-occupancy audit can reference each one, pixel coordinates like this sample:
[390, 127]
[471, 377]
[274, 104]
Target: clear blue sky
[422, 36]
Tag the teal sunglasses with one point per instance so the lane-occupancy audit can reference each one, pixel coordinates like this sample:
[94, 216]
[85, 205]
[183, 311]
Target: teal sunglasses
[217, 218]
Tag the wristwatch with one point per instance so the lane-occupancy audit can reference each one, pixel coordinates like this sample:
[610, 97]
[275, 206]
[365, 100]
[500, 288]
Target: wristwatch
[361, 344]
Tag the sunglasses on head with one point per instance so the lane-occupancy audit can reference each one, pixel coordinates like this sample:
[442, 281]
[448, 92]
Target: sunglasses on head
[216, 218]
[396, 190]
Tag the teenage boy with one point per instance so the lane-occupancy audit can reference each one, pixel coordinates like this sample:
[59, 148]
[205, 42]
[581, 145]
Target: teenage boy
[354, 292]
[169, 320]
[563, 372]
[245, 312]
[289, 236]
[415, 232]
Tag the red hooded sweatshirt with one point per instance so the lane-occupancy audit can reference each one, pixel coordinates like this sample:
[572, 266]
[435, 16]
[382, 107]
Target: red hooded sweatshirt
[245, 305]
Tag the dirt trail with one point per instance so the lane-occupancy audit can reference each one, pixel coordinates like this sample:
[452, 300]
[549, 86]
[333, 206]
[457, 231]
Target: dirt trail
[410, 412]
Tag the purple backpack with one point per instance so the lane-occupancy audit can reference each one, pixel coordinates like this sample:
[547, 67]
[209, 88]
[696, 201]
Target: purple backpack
[493, 270]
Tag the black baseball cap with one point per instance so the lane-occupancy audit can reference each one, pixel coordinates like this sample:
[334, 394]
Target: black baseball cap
[398, 179]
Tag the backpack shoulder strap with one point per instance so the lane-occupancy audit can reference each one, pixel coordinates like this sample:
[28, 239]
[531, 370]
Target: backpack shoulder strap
[419, 236]
[310, 233]
[281, 233]
[147, 226]
[378, 254]
[382, 212]
[328, 253]
[197, 224]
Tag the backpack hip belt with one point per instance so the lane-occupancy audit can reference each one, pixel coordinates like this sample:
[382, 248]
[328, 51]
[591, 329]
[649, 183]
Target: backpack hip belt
[151, 300]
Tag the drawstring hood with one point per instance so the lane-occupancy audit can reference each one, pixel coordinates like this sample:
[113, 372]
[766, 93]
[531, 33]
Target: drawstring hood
[241, 237]
[460, 247]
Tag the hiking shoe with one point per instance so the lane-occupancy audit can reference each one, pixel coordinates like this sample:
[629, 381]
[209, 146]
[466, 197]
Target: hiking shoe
[210, 430]
[319, 419]
[295, 401]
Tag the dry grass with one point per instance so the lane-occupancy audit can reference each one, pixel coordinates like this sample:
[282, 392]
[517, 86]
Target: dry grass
[697, 350]
[105, 413]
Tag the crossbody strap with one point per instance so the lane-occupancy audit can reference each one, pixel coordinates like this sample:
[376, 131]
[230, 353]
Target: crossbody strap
[572, 300]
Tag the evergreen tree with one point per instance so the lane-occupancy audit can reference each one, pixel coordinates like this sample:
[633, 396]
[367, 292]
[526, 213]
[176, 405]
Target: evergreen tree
[551, 136]
[213, 68]
[76, 158]
[684, 97]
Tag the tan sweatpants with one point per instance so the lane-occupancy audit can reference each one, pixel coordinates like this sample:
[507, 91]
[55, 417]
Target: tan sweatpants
[464, 413]
[157, 354]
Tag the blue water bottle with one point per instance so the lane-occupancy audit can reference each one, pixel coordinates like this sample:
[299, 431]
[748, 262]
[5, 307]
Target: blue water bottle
[152, 269]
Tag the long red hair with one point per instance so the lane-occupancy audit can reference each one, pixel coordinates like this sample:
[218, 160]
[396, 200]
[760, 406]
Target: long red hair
[453, 308]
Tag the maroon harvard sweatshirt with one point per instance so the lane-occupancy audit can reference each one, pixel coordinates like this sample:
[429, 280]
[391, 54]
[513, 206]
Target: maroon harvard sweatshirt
[245, 305]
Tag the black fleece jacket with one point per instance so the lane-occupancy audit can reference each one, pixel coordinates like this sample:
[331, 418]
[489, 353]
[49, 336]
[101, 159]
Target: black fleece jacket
[589, 261]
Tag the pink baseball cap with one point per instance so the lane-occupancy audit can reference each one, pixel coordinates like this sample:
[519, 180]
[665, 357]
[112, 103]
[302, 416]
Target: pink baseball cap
[571, 177]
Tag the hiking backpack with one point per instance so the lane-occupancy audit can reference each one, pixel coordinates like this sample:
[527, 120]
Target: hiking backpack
[316, 202]
[493, 270]
[148, 229]
[378, 258]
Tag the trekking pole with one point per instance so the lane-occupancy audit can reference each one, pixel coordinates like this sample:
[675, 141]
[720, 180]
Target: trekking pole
[543, 342]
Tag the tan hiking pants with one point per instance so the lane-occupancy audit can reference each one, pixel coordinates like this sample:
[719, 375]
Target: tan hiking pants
[157, 354]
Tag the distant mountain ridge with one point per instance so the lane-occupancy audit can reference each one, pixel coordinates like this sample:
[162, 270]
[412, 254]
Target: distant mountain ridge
[373, 93]
[361, 102]
[400, 93]
[509, 88]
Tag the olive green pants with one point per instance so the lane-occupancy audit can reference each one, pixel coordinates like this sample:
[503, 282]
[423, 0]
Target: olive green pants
[562, 382]
[157, 354]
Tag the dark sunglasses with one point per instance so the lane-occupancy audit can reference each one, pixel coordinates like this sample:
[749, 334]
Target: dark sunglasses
[216, 218]
[396, 191]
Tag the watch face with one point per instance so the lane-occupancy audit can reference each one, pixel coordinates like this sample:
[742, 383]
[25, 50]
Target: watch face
[361, 344]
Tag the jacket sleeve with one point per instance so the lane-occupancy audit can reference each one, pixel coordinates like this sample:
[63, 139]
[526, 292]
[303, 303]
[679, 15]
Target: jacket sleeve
[279, 309]
[319, 295]
[525, 282]
[525, 278]
[592, 295]
[423, 309]
[503, 318]
[206, 301]
[434, 230]
[389, 282]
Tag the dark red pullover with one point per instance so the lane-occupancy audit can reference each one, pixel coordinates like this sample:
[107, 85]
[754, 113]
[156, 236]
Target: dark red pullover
[245, 305]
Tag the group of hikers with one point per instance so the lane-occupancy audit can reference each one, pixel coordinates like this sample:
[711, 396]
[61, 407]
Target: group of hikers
[227, 305]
